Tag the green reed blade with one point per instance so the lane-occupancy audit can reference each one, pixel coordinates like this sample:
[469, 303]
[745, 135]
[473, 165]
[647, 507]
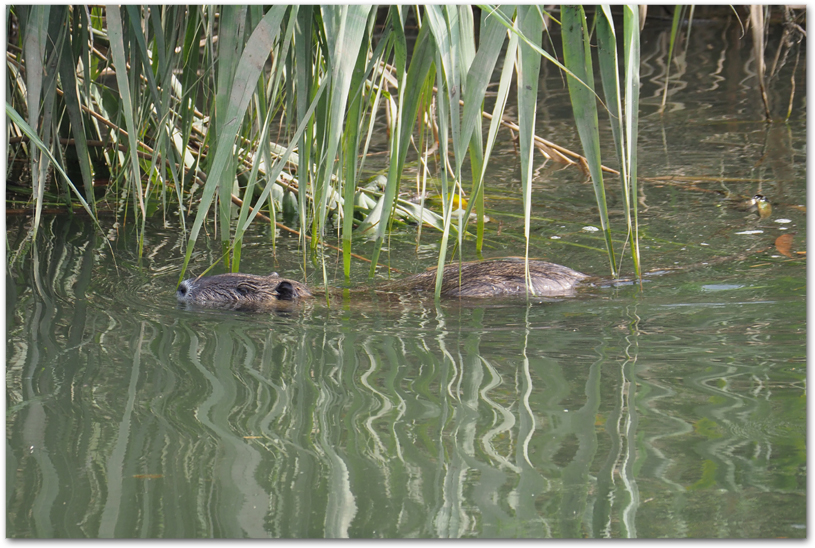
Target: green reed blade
[410, 94]
[577, 56]
[247, 73]
[117, 48]
[529, 24]
[631, 40]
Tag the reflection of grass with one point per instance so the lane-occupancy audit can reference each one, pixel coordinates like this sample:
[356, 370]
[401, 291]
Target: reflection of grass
[424, 430]
[717, 399]
[707, 428]
[790, 466]
[708, 478]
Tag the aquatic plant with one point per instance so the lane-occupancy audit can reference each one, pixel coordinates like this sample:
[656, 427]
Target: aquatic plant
[230, 114]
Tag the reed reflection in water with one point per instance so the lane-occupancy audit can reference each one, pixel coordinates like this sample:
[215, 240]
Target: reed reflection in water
[129, 417]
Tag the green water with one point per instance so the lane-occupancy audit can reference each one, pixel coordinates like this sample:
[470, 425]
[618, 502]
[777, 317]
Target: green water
[676, 411]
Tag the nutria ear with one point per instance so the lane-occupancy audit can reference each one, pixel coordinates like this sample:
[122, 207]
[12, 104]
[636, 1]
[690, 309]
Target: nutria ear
[285, 291]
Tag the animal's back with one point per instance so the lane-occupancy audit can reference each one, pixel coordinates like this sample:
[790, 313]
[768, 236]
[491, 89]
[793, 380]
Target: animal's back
[496, 278]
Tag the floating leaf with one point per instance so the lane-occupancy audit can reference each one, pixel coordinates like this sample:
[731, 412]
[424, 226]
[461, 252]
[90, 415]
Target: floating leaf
[783, 244]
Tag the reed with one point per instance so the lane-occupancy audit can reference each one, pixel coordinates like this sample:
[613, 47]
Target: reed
[195, 109]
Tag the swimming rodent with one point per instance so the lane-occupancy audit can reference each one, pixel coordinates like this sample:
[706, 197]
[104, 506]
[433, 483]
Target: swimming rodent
[494, 278]
[482, 279]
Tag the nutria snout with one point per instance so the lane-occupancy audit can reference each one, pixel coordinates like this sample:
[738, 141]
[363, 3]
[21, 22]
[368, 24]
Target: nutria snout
[493, 278]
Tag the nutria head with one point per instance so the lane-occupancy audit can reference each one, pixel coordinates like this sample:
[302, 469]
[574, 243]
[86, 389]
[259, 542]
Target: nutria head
[240, 291]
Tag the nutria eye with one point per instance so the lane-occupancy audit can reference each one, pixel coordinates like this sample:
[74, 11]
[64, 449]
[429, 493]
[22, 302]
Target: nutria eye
[182, 289]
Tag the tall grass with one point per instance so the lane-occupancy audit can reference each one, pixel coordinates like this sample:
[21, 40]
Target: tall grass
[291, 96]
[624, 121]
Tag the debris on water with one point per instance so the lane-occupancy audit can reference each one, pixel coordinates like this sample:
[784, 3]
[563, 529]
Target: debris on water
[784, 244]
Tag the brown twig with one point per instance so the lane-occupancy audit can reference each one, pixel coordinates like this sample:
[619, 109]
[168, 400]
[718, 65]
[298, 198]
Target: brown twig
[554, 151]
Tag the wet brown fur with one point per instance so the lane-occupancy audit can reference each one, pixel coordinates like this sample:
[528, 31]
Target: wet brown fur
[503, 277]
[495, 278]
[240, 290]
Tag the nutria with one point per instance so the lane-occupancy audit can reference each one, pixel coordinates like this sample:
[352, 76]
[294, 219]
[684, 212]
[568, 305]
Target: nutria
[495, 278]
[240, 291]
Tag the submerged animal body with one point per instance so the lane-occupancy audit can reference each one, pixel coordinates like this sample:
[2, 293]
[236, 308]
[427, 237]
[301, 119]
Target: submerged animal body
[496, 278]
[492, 278]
